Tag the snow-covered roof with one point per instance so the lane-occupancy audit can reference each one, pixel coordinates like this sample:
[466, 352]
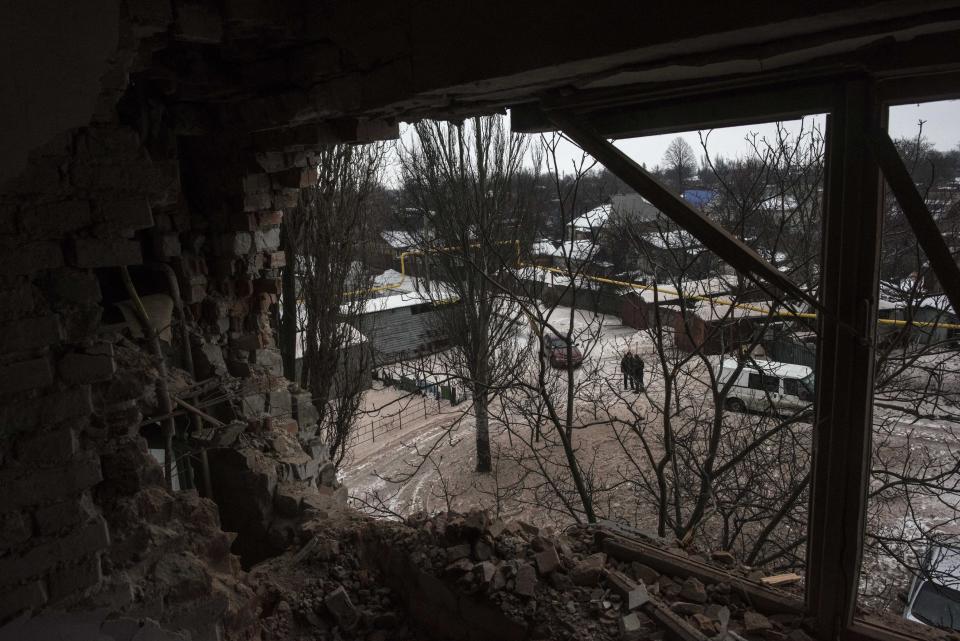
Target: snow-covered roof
[668, 292]
[678, 239]
[399, 239]
[772, 368]
[438, 293]
[543, 247]
[905, 295]
[940, 302]
[593, 219]
[351, 336]
[395, 281]
[780, 202]
[714, 310]
[709, 286]
[578, 250]
[393, 301]
[554, 278]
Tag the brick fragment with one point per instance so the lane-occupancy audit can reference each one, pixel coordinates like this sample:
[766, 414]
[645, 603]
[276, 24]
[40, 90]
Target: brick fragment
[267, 240]
[305, 411]
[287, 425]
[29, 258]
[57, 446]
[26, 597]
[275, 260]
[256, 202]
[75, 577]
[109, 142]
[272, 161]
[243, 287]
[281, 403]
[25, 375]
[14, 529]
[630, 627]
[87, 368]
[339, 604]
[36, 561]
[53, 220]
[256, 183]
[74, 285]
[62, 516]
[236, 244]
[90, 252]
[19, 300]
[287, 197]
[44, 486]
[269, 218]
[167, 245]
[270, 359]
[30, 333]
[587, 571]
[46, 410]
[548, 560]
[526, 581]
[295, 178]
[266, 286]
[243, 221]
[198, 23]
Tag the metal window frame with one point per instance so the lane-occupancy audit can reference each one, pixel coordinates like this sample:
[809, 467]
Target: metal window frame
[856, 105]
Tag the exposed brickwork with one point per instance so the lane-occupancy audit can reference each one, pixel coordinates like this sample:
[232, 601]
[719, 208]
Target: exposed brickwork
[73, 397]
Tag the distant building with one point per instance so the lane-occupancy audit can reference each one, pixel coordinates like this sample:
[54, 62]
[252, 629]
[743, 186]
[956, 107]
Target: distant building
[404, 325]
[699, 198]
[354, 365]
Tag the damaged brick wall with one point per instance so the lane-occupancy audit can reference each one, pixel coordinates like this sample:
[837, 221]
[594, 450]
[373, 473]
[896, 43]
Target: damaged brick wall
[85, 522]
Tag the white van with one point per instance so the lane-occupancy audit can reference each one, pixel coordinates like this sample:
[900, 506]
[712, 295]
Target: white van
[934, 597]
[765, 385]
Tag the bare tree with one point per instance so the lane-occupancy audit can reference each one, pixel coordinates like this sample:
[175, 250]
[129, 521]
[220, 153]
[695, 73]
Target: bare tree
[463, 180]
[679, 162]
[326, 237]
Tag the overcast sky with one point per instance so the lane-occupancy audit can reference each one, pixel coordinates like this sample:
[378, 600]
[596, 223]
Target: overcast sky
[941, 128]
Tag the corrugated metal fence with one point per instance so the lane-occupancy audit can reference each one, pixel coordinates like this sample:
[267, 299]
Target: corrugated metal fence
[791, 352]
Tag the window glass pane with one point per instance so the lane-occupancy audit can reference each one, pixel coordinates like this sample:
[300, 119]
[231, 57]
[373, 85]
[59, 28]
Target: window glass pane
[666, 341]
[911, 559]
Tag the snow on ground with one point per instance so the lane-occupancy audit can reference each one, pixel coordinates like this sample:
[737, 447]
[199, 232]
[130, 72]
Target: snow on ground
[448, 481]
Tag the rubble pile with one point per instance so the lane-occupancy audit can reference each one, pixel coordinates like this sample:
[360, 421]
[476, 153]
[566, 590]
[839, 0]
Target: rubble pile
[326, 589]
[467, 576]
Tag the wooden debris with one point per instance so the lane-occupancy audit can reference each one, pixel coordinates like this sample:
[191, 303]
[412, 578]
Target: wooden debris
[761, 596]
[653, 607]
[781, 579]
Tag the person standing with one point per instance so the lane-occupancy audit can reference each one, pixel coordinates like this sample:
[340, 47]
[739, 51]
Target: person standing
[626, 368]
[638, 373]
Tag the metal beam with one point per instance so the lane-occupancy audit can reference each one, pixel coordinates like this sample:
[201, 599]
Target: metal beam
[713, 236]
[737, 104]
[845, 361]
[921, 221]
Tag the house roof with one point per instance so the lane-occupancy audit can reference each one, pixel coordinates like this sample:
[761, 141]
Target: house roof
[698, 197]
[592, 220]
[352, 336]
[676, 239]
[711, 310]
[399, 239]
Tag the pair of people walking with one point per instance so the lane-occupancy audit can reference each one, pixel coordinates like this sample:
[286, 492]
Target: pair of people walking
[631, 366]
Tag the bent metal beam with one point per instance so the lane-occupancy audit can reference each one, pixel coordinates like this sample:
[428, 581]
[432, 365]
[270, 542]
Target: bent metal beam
[713, 236]
[916, 212]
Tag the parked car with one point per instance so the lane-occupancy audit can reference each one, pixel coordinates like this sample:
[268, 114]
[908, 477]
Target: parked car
[765, 385]
[934, 596]
[556, 350]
